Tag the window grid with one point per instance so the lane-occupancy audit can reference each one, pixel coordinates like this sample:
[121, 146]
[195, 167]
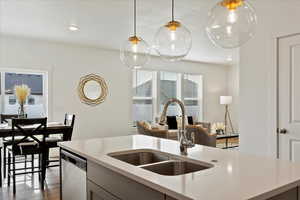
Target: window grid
[156, 97]
[6, 99]
[144, 101]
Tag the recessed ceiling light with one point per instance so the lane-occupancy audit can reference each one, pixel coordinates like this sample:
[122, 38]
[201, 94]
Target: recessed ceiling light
[73, 27]
[229, 59]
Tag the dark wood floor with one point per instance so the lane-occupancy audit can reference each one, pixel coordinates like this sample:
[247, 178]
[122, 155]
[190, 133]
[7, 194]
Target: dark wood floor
[28, 187]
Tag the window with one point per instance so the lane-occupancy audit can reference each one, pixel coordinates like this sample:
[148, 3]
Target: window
[151, 90]
[142, 95]
[36, 105]
[34, 82]
[168, 88]
[192, 95]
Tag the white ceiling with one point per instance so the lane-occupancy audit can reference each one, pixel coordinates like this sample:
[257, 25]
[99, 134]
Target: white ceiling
[107, 23]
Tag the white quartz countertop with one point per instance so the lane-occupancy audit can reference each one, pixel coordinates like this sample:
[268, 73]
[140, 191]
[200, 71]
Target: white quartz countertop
[235, 176]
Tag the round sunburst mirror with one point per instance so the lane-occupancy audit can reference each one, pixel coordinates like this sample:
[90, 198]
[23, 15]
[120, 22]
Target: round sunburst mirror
[92, 89]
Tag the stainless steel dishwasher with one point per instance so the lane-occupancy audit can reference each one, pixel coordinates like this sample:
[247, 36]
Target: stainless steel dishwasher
[73, 176]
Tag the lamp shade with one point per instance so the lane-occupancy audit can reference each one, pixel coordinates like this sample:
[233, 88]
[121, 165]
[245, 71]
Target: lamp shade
[225, 100]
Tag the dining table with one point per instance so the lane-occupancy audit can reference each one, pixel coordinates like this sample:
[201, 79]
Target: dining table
[52, 128]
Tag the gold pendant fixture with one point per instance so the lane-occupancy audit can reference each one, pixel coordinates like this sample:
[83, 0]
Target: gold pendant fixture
[173, 40]
[134, 40]
[173, 25]
[232, 4]
[135, 52]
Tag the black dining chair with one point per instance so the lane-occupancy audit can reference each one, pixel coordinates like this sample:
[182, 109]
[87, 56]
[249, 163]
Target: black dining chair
[52, 141]
[7, 141]
[36, 146]
[0, 165]
[69, 121]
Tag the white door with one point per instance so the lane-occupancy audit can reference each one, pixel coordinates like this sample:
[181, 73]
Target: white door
[289, 97]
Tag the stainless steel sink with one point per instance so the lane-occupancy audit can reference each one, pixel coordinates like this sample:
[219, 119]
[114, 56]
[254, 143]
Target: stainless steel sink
[140, 157]
[175, 167]
[160, 162]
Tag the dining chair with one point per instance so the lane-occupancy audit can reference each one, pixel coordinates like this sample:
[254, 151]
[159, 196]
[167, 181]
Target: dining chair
[7, 141]
[22, 147]
[0, 165]
[52, 141]
[5, 117]
[69, 121]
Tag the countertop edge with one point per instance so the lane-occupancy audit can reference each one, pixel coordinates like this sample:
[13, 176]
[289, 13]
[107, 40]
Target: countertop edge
[276, 191]
[128, 175]
[263, 196]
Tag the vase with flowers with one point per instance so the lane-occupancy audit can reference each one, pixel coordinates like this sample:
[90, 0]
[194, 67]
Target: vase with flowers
[22, 92]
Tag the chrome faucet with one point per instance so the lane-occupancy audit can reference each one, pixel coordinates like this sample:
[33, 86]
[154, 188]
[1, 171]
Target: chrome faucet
[185, 143]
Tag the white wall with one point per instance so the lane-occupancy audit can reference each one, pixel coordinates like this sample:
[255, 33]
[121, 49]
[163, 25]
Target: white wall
[233, 90]
[257, 75]
[67, 63]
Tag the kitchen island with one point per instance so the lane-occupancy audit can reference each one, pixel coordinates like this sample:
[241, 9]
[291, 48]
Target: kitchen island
[224, 174]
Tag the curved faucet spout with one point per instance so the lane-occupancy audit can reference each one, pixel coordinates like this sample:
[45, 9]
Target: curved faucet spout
[162, 120]
[184, 142]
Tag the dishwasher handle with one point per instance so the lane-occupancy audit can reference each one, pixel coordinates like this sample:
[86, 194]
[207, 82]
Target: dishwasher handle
[74, 159]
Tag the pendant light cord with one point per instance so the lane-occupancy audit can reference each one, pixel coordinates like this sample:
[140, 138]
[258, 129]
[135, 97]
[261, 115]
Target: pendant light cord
[172, 10]
[134, 17]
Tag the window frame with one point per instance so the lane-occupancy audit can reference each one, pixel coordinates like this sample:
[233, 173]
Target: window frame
[180, 87]
[153, 98]
[200, 93]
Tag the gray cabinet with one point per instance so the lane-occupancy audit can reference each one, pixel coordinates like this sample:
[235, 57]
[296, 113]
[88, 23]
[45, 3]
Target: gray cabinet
[105, 184]
[120, 186]
[169, 198]
[97, 193]
[288, 195]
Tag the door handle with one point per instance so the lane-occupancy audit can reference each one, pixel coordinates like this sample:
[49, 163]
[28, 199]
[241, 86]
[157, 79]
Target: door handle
[283, 131]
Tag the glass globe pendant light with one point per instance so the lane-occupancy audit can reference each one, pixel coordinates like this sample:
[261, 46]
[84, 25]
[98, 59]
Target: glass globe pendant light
[231, 23]
[135, 52]
[173, 41]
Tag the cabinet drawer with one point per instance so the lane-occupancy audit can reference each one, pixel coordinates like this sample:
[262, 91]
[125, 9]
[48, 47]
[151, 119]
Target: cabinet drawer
[119, 185]
[97, 193]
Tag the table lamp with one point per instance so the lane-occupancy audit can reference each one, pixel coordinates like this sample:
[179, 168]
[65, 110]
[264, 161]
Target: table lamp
[227, 100]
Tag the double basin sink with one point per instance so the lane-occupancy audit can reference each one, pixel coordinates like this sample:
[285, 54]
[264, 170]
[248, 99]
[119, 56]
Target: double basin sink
[160, 162]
